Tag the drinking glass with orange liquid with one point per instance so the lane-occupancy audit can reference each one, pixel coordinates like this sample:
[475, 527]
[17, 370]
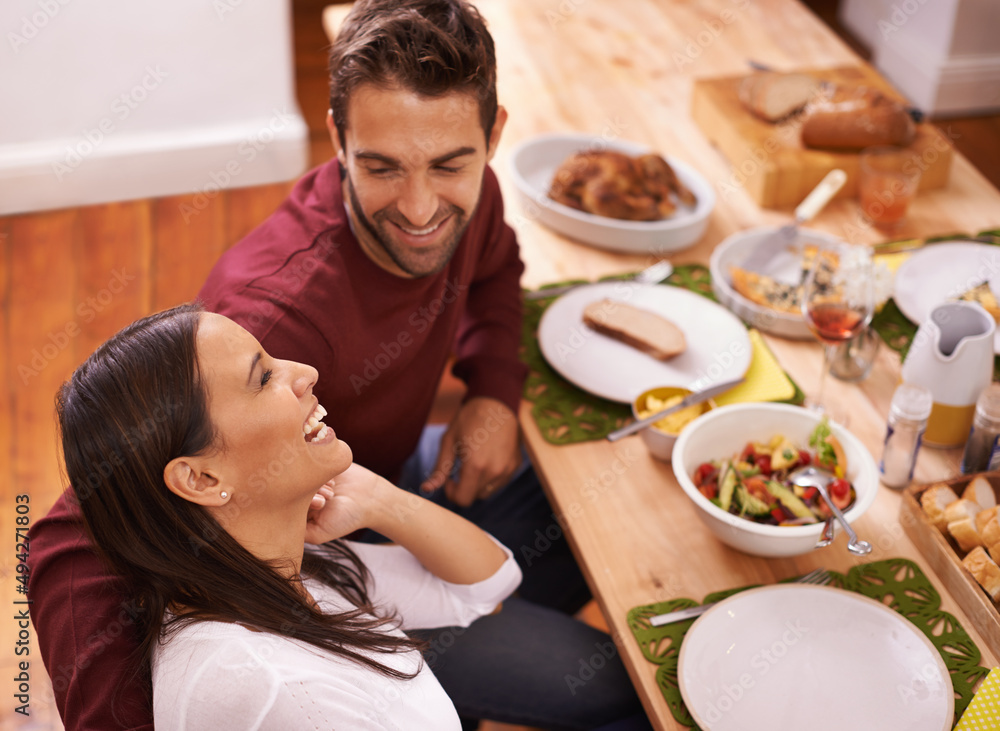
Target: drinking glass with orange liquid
[887, 182]
[838, 300]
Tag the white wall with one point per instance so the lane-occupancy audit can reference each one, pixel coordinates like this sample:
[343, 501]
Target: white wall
[124, 99]
[944, 55]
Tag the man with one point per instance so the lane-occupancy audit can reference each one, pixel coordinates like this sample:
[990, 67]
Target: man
[379, 267]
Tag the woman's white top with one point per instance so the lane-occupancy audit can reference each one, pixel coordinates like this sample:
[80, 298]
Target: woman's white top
[219, 675]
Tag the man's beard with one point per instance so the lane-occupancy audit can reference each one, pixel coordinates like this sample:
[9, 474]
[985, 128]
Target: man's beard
[415, 262]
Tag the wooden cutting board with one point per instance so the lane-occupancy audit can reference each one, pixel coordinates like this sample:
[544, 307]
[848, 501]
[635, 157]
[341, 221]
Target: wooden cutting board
[769, 160]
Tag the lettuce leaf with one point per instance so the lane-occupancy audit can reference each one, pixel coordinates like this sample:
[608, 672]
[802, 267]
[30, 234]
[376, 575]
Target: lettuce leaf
[817, 440]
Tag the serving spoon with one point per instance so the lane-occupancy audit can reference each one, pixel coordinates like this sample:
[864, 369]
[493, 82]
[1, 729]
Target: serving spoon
[814, 477]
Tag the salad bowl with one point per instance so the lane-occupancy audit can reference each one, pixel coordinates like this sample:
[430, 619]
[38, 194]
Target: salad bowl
[725, 431]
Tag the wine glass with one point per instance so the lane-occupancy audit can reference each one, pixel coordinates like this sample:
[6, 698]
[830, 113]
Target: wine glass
[838, 299]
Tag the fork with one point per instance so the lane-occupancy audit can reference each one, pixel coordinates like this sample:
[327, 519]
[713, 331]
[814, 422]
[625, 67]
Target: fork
[816, 576]
[650, 275]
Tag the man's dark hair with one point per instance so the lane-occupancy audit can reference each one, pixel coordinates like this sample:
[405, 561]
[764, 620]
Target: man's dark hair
[429, 47]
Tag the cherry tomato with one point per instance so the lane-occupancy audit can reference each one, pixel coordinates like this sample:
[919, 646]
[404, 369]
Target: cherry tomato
[804, 458]
[702, 473]
[810, 493]
[709, 491]
[778, 514]
[840, 493]
[748, 453]
[764, 462]
[839, 488]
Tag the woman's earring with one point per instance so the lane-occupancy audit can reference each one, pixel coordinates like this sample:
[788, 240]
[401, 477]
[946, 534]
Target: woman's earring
[224, 495]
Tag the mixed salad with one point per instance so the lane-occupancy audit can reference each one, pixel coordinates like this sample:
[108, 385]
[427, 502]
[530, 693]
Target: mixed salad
[754, 484]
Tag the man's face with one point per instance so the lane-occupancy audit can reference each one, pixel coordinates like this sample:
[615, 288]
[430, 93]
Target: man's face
[414, 174]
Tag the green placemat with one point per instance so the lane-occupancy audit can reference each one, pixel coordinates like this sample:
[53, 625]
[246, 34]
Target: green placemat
[566, 414]
[896, 582]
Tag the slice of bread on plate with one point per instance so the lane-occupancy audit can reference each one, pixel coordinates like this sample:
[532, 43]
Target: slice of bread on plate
[984, 570]
[642, 329]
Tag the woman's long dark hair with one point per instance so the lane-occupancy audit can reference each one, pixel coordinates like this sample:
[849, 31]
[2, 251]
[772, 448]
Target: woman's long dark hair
[133, 406]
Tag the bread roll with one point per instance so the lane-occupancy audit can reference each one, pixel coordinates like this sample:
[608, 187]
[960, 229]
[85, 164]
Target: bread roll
[994, 552]
[633, 326]
[984, 517]
[984, 570]
[990, 533]
[962, 510]
[965, 534]
[772, 96]
[980, 491]
[869, 119]
[934, 501]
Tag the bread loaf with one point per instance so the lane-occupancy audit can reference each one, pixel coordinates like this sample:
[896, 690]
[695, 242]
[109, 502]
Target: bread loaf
[772, 96]
[639, 328]
[984, 570]
[866, 119]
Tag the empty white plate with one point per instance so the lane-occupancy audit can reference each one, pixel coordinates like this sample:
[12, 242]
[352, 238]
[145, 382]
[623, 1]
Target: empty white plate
[812, 657]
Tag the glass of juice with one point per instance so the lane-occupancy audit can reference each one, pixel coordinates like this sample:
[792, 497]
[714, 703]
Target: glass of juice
[887, 182]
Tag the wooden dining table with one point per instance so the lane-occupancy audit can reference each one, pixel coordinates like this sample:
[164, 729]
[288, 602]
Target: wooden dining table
[627, 70]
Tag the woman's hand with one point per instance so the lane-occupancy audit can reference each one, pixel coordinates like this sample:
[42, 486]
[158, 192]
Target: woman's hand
[446, 544]
[354, 500]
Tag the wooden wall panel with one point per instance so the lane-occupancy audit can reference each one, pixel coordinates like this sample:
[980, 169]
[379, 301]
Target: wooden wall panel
[246, 208]
[188, 237]
[114, 283]
[6, 361]
[43, 331]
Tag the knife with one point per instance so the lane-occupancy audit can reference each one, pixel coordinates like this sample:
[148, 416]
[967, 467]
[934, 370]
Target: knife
[552, 291]
[680, 615]
[693, 398]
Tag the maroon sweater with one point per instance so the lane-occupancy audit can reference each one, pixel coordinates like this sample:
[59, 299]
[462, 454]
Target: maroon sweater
[301, 284]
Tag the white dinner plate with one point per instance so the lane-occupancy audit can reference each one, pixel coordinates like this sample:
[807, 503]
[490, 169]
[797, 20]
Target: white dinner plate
[533, 163]
[944, 271]
[718, 347]
[793, 656]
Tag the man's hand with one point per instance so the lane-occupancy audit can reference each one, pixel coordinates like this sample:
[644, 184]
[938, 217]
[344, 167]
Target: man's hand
[355, 499]
[483, 436]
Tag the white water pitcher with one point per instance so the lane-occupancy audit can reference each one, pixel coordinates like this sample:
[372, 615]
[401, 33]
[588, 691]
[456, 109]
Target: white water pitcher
[952, 356]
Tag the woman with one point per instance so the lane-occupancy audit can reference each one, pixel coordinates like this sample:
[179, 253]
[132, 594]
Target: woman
[203, 470]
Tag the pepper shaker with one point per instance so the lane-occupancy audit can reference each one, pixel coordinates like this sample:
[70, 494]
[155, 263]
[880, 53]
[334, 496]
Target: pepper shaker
[982, 450]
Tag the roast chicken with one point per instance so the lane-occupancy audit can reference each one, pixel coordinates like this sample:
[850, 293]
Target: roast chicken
[612, 184]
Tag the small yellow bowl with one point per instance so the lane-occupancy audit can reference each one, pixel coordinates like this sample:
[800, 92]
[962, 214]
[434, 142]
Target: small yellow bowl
[660, 443]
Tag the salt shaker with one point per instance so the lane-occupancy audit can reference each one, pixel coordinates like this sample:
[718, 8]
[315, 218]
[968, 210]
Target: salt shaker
[982, 450]
[911, 405]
